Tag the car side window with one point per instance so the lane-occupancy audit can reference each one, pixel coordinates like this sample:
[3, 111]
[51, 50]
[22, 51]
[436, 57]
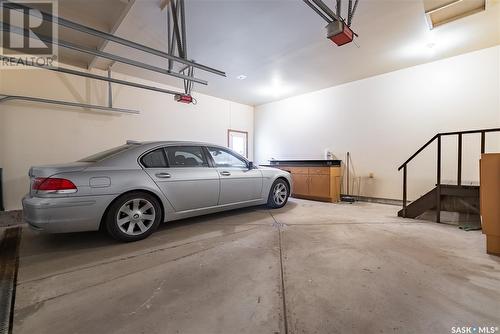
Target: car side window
[186, 156]
[223, 158]
[155, 159]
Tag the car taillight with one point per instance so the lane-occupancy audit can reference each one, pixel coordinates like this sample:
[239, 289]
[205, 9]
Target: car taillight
[53, 185]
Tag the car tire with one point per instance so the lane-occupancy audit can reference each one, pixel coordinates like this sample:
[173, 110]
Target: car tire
[278, 195]
[133, 216]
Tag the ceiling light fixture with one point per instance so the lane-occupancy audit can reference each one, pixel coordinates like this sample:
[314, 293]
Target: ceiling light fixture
[276, 89]
[241, 77]
[419, 50]
[434, 43]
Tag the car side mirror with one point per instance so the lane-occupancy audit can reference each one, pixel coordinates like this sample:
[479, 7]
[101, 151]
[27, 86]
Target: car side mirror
[250, 165]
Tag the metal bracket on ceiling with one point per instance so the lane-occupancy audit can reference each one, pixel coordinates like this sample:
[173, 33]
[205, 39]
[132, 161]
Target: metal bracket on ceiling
[351, 10]
[328, 15]
[179, 26]
[15, 60]
[102, 54]
[110, 90]
[5, 98]
[177, 44]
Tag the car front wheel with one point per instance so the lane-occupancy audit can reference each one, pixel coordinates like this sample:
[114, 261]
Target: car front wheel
[133, 216]
[278, 196]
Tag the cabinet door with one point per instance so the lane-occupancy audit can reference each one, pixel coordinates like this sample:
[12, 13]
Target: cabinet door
[300, 184]
[319, 185]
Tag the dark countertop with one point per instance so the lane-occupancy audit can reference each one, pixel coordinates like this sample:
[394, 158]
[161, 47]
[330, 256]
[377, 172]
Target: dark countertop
[305, 163]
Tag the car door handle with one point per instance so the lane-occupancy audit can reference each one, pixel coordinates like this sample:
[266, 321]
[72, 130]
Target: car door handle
[225, 173]
[163, 175]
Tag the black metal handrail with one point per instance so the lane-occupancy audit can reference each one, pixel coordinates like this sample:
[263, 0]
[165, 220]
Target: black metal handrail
[1, 192]
[438, 136]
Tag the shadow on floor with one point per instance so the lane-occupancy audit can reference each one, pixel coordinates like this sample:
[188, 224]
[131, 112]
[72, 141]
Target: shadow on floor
[227, 222]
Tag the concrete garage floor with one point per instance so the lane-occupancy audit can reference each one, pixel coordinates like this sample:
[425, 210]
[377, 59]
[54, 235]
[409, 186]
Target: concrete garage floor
[347, 269]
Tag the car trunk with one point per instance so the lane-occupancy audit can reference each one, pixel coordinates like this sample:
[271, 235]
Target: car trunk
[51, 170]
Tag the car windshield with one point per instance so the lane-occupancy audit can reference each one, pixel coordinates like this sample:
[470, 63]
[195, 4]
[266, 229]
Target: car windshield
[106, 154]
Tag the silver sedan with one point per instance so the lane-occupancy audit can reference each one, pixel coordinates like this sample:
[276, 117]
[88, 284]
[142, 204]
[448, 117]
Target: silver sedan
[129, 190]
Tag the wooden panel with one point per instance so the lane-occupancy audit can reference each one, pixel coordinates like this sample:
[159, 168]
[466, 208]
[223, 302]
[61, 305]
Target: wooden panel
[297, 170]
[490, 193]
[319, 170]
[335, 175]
[300, 184]
[336, 171]
[319, 185]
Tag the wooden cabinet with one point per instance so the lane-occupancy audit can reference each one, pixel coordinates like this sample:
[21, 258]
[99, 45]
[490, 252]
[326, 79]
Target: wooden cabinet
[489, 198]
[300, 184]
[317, 183]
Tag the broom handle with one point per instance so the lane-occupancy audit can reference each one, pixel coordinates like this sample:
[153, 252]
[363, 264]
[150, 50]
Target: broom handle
[347, 173]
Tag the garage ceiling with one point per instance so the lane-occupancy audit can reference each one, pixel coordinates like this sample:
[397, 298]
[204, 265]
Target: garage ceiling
[280, 45]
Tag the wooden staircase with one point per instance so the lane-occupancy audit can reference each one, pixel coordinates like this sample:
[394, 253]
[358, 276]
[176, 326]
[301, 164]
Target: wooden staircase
[463, 199]
[444, 197]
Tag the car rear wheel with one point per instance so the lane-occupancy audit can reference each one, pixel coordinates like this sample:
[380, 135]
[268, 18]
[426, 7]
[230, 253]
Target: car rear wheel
[133, 216]
[278, 196]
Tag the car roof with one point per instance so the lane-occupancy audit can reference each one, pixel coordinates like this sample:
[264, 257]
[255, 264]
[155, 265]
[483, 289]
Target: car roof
[180, 142]
[150, 144]
[130, 156]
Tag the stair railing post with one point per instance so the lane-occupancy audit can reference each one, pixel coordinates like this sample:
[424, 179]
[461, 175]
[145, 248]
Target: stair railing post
[404, 190]
[438, 183]
[459, 169]
[483, 142]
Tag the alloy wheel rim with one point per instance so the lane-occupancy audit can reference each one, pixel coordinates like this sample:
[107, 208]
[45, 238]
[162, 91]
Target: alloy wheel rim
[279, 194]
[136, 216]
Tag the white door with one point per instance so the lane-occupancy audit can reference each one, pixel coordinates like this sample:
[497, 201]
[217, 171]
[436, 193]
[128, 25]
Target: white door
[238, 142]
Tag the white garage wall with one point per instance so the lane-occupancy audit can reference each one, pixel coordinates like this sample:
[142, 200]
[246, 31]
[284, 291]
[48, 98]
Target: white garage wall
[32, 133]
[384, 119]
